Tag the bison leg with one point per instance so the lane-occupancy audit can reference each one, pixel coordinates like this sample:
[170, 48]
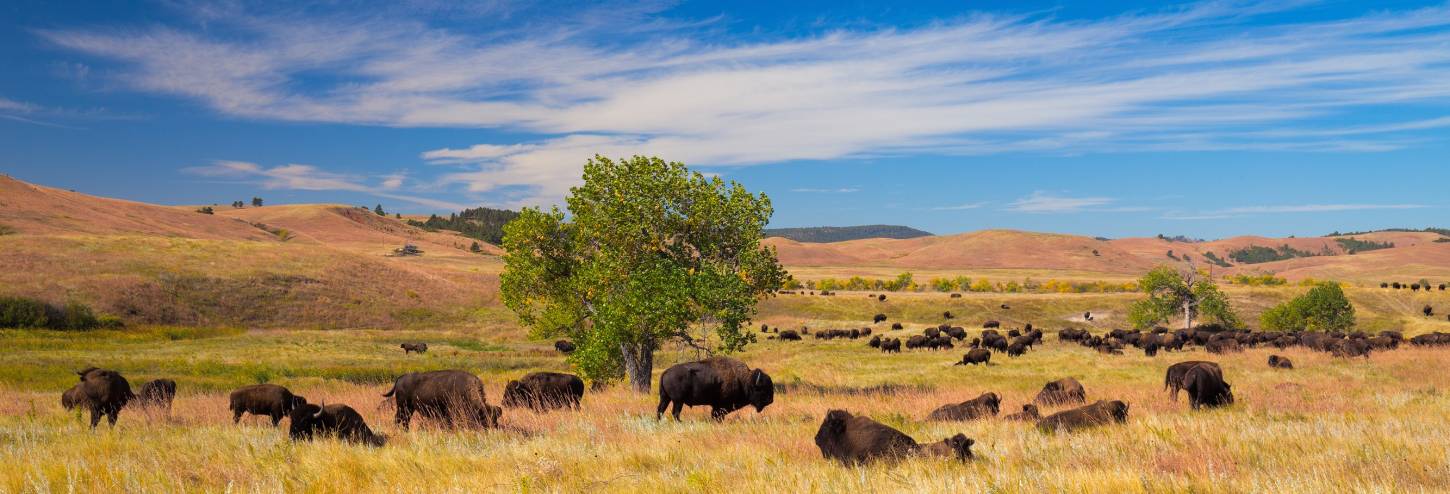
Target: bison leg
[112, 415]
[402, 417]
[679, 406]
[95, 417]
[236, 416]
[718, 413]
[664, 403]
[276, 419]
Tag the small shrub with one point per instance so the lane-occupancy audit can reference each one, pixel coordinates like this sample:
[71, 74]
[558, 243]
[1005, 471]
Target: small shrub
[19, 312]
[76, 316]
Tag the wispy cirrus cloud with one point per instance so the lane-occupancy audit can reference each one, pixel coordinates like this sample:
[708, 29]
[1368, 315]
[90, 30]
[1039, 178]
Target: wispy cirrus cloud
[1209, 76]
[961, 207]
[1242, 211]
[1040, 202]
[841, 190]
[307, 177]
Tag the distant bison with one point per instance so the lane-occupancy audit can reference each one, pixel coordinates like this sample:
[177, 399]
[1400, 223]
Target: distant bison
[986, 405]
[340, 421]
[447, 396]
[564, 346]
[1096, 414]
[105, 392]
[976, 356]
[1173, 379]
[992, 324]
[1061, 392]
[157, 394]
[1223, 345]
[1029, 412]
[722, 383]
[956, 295]
[891, 346]
[1278, 362]
[543, 391]
[896, 326]
[875, 342]
[1429, 311]
[881, 297]
[852, 440]
[790, 335]
[1206, 388]
[878, 318]
[414, 348]
[270, 400]
[1017, 348]
[1006, 307]
[947, 315]
[1350, 348]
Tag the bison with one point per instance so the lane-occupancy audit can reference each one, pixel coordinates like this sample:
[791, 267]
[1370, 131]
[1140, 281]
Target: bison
[722, 383]
[1278, 362]
[956, 295]
[1096, 414]
[1223, 345]
[881, 297]
[544, 391]
[564, 346]
[991, 324]
[976, 356]
[1061, 392]
[891, 346]
[264, 399]
[105, 392]
[875, 342]
[896, 326]
[158, 393]
[339, 421]
[1029, 412]
[948, 315]
[73, 398]
[1173, 378]
[1429, 311]
[852, 439]
[1206, 387]
[447, 396]
[976, 408]
[414, 348]
[790, 335]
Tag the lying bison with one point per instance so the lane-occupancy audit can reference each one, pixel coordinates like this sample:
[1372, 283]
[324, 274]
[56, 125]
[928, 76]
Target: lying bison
[544, 391]
[104, 392]
[1060, 392]
[1206, 388]
[976, 356]
[157, 394]
[722, 383]
[1173, 378]
[852, 439]
[339, 421]
[447, 396]
[264, 399]
[414, 348]
[1029, 412]
[564, 346]
[983, 406]
[1278, 362]
[1096, 414]
[991, 324]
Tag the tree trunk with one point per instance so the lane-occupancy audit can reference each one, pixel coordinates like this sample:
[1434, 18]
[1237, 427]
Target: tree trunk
[1187, 315]
[639, 363]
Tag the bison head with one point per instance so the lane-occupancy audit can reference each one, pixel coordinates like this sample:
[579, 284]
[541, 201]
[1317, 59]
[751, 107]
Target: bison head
[305, 419]
[293, 403]
[1119, 410]
[514, 395]
[958, 446]
[762, 390]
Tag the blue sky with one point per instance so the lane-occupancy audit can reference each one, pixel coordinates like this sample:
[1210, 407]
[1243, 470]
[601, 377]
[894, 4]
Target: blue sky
[1207, 119]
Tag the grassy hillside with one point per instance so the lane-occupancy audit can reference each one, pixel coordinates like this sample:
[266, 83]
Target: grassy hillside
[844, 233]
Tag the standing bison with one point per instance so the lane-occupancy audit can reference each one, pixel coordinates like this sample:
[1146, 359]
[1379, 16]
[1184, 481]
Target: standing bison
[544, 391]
[447, 396]
[1173, 380]
[339, 421]
[1096, 414]
[722, 383]
[414, 348]
[878, 318]
[564, 346]
[976, 356]
[983, 406]
[1206, 388]
[891, 346]
[157, 394]
[852, 440]
[104, 392]
[991, 324]
[264, 399]
[1061, 392]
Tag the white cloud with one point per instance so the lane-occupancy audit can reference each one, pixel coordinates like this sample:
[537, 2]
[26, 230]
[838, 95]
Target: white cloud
[1042, 202]
[842, 190]
[307, 177]
[960, 207]
[1204, 77]
[1242, 211]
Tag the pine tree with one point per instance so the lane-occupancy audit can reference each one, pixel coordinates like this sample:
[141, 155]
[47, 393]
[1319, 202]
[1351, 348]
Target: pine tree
[379, 210]
[256, 202]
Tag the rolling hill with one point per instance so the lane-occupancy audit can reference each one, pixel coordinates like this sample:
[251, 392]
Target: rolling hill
[820, 234]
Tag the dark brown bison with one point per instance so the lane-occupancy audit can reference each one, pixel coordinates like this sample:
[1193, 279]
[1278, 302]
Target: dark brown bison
[1278, 362]
[1061, 392]
[1017, 348]
[1206, 388]
[875, 342]
[790, 335]
[157, 394]
[896, 326]
[564, 346]
[447, 396]
[881, 297]
[976, 356]
[948, 315]
[1173, 378]
[852, 439]
[891, 346]
[105, 392]
[270, 400]
[991, 324]
[339, 421]
[956, 295]
[1096, 414]
[983, 406]
[73, 398]
[1223, 345]
[1006, 307]
[414, 348]
[1028, 413]
[544, 391]
[878, 318]
[722, 383]
[1350, 348]
[1429, 311]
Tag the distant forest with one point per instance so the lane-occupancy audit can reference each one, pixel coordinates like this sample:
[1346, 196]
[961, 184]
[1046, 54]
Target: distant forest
[822, 234]
[1255, 254]
[485, 224]
[1445, 232]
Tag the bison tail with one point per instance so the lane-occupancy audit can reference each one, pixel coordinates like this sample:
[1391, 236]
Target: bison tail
[389, 394]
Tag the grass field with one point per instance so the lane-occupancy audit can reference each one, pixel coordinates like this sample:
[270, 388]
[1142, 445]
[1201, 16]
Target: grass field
[1331, 425]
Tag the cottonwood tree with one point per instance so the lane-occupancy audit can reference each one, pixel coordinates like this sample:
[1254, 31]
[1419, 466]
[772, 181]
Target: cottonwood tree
[1183, 293]
[649, 253]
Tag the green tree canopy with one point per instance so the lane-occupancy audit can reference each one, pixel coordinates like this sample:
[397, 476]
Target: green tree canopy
[1322, 308]
[650, 253]
[1173, 294]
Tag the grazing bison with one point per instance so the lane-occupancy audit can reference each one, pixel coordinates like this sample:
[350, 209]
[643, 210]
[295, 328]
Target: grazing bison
[790, 335]
[722, 383]
[1017, 348]
[158, 393]
[948, 315]
[976, 408]
[875, 342]
[564, 346]
[891, 346]
[1350, 348]
[881, 297]
[976, 356]
[1173, 378]
[445, 396]
[544, 391]
[1278, 362]
[419, 347]
[105, 392]
[1206, 387]
[896, 326]
[1096, 414]
[878, 318]
[1061, 392]
[1029, 412]
[991, 324]
[264, 399]
[852, 439]
[339, 421]
[73, 398]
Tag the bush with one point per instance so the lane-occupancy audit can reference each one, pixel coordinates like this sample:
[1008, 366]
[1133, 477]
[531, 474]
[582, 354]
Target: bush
[76, 316]
[1323, 308]
[17, 312]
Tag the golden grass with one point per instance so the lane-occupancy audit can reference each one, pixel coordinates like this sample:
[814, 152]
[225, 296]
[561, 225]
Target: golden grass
[1329, 426]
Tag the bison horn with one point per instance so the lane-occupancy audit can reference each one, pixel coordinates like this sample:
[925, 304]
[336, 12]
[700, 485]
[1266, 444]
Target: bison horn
[318, 415]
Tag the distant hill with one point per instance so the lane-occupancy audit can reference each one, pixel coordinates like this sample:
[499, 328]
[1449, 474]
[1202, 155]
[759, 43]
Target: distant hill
[824, 234]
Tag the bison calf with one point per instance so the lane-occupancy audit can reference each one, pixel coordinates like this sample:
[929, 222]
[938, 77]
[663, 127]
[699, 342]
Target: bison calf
[1029, 412]
[852, 439]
